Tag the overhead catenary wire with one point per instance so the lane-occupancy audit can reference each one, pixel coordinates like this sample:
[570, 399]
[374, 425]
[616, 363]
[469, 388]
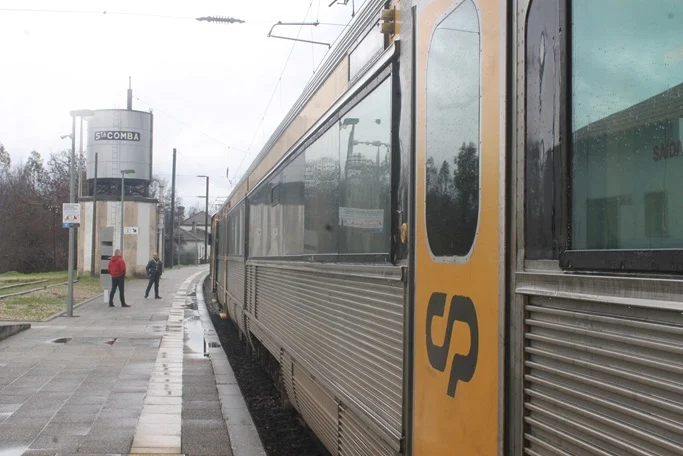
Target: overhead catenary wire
[272, 96]
[167, 114]
[322, 60]
[148, 15]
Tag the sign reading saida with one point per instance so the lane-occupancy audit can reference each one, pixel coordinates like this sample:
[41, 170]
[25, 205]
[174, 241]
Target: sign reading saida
[117, 136]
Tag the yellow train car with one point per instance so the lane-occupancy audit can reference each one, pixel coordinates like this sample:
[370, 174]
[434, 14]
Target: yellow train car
[465, 239]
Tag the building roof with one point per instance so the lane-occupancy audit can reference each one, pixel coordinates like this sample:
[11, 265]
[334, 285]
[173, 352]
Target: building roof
[189, 236]
[197, 218]
[661, 107]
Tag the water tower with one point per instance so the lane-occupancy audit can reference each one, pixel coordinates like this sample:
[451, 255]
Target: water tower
[119, 152]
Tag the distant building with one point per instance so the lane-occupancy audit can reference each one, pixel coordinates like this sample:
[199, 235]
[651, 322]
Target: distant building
[191, 233]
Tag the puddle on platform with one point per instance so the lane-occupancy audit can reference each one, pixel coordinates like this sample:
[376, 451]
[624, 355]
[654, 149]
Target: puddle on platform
[194, 334]
[61, 340]
[14, 451]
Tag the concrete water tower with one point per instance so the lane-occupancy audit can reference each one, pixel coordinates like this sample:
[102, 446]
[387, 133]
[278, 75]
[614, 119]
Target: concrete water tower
[119, 153]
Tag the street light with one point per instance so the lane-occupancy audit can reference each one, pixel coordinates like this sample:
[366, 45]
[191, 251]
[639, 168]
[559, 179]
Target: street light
[72, 199]
[123, 181]
[206, 220]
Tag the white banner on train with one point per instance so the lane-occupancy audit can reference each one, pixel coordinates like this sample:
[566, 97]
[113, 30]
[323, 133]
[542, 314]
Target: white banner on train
[361, 218]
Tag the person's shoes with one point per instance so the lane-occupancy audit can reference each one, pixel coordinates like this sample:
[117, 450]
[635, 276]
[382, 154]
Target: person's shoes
[145, 296]
[125, 305]
[111, 304]
[158, 297]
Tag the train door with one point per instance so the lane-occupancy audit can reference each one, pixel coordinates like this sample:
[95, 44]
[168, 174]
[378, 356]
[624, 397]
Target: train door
[459, 217]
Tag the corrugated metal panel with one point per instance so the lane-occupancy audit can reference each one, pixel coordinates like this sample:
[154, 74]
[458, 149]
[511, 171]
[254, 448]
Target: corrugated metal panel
[603, 379]
[236, 274]
[347, 328]
[318, 408]
[355, 440]
[286, 368]
[251, 290]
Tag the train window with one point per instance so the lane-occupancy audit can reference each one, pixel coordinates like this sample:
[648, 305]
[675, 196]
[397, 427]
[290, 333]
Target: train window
[543, 159]
[261, 221]
[276, 213]
[235, 231]
[321, 195]
[291, 202]
[452, 161]
[627, 124]
[365, 174]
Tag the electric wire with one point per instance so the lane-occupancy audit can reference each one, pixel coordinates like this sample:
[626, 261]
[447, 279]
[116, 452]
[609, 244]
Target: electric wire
[272, 96]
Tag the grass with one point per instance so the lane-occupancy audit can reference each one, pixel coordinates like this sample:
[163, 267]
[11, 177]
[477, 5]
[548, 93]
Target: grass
[9, 278]
[40, 305]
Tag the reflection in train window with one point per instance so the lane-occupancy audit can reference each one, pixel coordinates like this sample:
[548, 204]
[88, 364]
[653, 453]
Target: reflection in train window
[543, 158]
[321, 195]
[452, 166]
[627, 124]
[365, 166]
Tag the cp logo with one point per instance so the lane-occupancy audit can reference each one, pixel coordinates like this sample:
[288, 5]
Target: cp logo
[463, 366]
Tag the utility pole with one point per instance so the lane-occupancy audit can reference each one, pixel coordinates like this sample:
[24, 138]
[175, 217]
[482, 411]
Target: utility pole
[173, 207]
[94, 222]
[72, 199]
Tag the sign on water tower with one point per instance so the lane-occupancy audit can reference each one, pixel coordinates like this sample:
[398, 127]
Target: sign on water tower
[122, 139]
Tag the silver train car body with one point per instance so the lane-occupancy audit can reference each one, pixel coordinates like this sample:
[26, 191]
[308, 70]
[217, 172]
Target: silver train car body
[579, 351]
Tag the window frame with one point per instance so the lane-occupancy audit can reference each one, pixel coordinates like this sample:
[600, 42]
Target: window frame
[609, 260]
[458, 259]
[234, 216]
[385, 74]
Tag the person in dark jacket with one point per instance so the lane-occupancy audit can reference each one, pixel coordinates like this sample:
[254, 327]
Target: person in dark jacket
[117, 270]
[154, 269]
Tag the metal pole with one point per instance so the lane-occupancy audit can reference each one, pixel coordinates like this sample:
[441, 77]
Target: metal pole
[173, 208]
[72, 198]
[123, 180]
[54, 209]
[206, 223]
[94, 221]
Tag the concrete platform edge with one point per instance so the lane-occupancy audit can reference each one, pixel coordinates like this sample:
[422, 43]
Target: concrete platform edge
[244, 437]
[8, 330]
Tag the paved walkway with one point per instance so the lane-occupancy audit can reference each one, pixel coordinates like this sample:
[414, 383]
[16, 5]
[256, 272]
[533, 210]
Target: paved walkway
[123, 381]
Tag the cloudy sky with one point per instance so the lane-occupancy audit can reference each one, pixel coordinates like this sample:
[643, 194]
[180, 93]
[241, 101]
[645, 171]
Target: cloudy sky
[215, 89]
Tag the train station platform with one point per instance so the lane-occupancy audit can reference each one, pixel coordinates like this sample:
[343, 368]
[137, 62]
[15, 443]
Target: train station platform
[149, 379]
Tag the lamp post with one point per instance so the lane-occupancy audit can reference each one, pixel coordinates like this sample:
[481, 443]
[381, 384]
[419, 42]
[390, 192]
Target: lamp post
[72, 199]
[94, 221]
[123, 181]
[206, 220]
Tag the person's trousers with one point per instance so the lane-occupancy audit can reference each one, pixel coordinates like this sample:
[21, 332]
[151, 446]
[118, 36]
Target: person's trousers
[153, 280]
[117, 282]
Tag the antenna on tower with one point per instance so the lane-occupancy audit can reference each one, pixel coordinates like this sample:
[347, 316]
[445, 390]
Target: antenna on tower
[130, 94]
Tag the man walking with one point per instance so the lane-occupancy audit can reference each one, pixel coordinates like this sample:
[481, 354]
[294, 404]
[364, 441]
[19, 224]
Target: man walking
[117, 270]
[154, 269]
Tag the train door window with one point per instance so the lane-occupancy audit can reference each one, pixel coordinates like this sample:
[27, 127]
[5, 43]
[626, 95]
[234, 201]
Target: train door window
[365, 174]
[543, 158]
[453, 144]
[626, 160]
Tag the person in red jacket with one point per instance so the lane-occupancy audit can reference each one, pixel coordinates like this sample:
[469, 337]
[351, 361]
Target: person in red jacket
[117, 270]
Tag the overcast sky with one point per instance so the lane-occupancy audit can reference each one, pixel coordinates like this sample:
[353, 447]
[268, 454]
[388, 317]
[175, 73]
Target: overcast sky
[208, 84]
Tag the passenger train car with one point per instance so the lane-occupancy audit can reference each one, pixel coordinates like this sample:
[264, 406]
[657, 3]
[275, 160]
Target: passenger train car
[466, 236]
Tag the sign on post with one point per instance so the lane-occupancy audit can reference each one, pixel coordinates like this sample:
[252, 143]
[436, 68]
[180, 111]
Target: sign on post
[71, 215]
[130, 230]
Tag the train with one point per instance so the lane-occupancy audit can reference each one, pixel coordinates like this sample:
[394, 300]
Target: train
[458, 242]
